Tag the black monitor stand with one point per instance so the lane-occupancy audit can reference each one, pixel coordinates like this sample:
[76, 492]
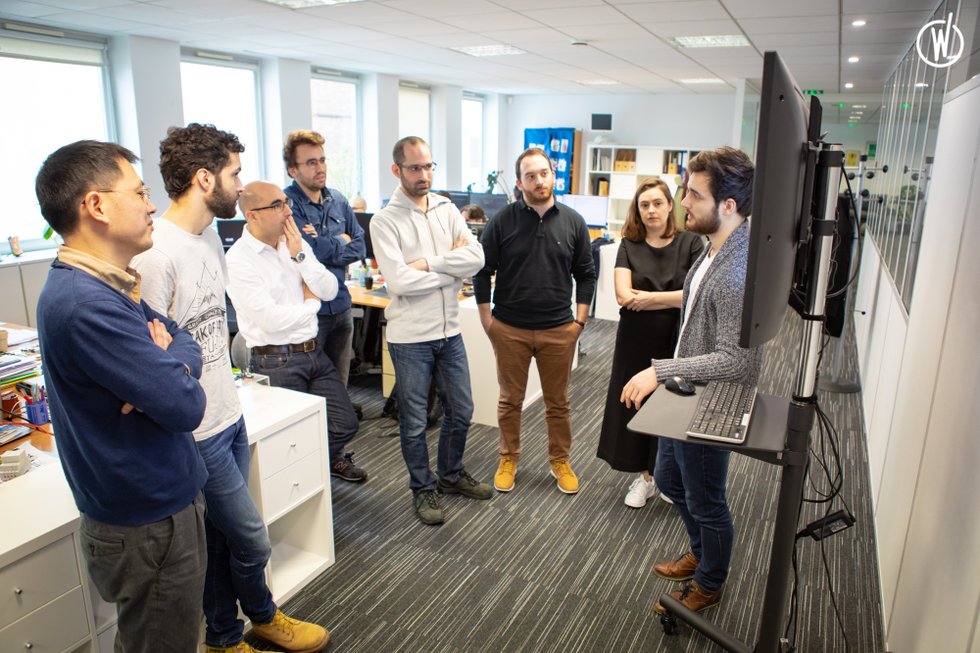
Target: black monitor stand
[792, 453]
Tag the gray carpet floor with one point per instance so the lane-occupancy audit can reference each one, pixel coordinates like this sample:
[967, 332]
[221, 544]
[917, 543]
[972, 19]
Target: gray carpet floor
[536, 570]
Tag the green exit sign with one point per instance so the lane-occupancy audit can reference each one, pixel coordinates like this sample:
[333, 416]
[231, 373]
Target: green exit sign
[813, 91]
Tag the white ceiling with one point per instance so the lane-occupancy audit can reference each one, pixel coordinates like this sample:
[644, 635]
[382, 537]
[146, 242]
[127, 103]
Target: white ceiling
[627, 40]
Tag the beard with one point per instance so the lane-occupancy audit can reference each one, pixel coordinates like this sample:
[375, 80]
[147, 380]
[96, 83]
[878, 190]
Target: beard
[415, 189]
[706, 226]
[223, 205]
[538, 195]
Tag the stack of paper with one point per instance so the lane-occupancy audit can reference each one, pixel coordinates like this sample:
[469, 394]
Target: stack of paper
[13, 368]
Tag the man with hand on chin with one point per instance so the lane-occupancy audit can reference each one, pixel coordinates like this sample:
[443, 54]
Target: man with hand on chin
[276, 285]
[694, 476]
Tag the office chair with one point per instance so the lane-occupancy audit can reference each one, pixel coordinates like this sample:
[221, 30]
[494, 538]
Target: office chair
[239, 352]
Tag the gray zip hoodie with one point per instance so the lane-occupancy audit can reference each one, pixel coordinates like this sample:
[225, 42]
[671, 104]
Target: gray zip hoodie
[424, 305]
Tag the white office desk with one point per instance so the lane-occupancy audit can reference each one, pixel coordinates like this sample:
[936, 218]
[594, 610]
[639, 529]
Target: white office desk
[45, 599]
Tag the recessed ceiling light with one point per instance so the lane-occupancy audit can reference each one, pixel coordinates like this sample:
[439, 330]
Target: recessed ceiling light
[597, 82]
[853, 59]
[858, 113]
[860, 106]
[700, 80]
[306, 4]
[848, 85]
[859, 23]
[719, 41]
[489, 50]
[921, 85]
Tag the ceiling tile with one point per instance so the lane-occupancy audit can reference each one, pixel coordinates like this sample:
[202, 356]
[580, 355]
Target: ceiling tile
[494, 21]
[798, 8]
[672, 12]
[577, 16]
[693, 28]
[753, 26]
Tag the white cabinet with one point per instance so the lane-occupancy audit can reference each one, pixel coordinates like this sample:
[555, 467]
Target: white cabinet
[289, 480]
[21, 280]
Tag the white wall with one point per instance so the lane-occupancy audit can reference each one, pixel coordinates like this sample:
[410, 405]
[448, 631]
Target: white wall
[688, 121]
[286, 105]
[920, 377]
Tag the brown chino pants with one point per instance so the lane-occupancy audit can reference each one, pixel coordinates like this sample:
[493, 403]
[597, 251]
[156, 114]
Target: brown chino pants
[553, 351]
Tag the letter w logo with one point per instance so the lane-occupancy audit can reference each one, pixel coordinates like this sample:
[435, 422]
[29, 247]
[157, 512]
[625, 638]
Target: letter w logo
[945, 36]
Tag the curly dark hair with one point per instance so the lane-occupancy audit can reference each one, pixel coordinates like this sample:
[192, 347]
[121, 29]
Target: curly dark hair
[730, 173]
[69, 173]
[186, 150]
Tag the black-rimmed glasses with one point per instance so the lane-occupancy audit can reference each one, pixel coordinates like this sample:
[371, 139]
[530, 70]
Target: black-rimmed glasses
[277, 205]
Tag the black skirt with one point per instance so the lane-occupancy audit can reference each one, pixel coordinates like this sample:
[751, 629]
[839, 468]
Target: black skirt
[642, 335]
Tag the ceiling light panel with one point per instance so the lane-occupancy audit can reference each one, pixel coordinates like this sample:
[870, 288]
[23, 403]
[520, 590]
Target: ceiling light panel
[489, 50]
[715, 41]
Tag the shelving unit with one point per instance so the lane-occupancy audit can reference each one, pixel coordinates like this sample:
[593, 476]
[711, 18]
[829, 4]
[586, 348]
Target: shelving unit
[616, 170]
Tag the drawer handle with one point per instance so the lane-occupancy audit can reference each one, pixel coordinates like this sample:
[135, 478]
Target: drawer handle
[292, 444]
[18, 591]
[295, 483]
[28, 646]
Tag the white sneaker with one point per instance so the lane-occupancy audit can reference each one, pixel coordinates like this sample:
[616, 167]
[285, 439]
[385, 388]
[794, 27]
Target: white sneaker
[640, 490]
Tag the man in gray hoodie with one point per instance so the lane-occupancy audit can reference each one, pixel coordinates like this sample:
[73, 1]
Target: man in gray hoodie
[424, 249]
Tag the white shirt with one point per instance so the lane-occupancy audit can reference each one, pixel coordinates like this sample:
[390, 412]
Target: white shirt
[266, 287]
[693, 295]
[184, 278]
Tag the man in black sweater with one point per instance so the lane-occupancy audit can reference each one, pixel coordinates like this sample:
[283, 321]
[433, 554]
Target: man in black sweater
[535, 246]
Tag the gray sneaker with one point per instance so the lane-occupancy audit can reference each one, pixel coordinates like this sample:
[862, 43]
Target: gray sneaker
[467, 486]
[427, 507]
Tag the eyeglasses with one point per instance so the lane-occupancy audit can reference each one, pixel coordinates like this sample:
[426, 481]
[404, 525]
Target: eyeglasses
[416, 168]
[314, 163]
[277, 205]
[143, 192]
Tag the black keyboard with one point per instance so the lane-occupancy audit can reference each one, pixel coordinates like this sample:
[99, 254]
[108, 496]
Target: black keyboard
[723, 412]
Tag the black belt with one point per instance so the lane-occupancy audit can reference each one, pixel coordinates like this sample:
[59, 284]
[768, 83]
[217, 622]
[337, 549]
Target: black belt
[300, 348]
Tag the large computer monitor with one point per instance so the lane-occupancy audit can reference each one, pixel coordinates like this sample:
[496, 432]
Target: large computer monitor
[459, 197]
[489, 202]
[780, 199]
[594, 208]
[229, 231]
[364, 219]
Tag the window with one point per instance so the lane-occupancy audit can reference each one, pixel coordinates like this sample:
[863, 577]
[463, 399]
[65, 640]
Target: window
[225, 95]
[413, 112]
[335, 118]
[34, 123]
[472, 143]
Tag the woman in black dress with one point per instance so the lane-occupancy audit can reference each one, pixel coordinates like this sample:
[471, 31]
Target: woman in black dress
[651, 265]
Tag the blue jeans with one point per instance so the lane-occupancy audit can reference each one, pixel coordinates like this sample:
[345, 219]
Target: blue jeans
[238, 542]
[154, 575]
[335, 338]
[312, 372]
[415, 364]
[694, 476]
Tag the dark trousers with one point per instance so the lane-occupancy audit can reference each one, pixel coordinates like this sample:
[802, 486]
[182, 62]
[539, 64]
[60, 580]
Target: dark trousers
[312, 372]
[154, 573]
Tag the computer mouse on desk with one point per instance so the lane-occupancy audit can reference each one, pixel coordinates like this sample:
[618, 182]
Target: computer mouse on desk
[679, 386]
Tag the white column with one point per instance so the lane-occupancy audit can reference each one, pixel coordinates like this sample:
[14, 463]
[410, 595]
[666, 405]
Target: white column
[286, 106]
[446, 138]
[146, 99]
[379, 101]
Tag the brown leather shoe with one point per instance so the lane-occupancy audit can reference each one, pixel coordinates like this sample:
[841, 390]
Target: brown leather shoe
[679, 570]
[692, 597]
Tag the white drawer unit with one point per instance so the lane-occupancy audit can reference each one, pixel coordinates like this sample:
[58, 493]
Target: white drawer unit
[37, 579]
[53, 628]
[291, 444]
[292, 486]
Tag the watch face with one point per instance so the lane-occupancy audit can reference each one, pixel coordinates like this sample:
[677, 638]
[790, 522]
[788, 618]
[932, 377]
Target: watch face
[299, 258]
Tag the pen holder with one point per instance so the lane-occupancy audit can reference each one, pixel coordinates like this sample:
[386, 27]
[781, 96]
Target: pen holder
[37, 413]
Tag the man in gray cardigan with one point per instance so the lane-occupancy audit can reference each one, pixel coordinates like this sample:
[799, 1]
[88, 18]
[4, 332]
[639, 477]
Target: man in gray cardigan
[693, 476]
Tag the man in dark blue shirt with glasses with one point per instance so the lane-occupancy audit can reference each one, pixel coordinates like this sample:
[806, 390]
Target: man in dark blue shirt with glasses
[327, 223]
